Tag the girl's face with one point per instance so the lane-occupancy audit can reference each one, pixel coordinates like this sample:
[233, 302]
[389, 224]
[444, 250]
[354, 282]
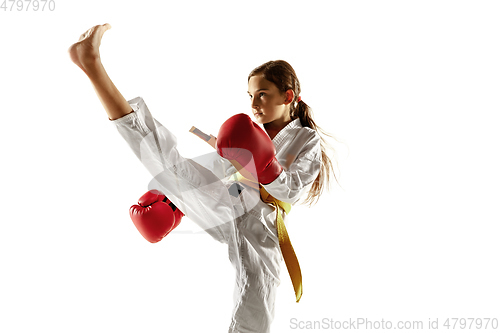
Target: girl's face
[268, 103]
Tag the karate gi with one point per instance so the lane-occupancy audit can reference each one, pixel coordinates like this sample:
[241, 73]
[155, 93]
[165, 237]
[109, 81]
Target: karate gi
[205, 190]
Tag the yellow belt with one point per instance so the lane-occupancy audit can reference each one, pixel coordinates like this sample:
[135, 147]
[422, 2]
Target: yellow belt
[291, 261]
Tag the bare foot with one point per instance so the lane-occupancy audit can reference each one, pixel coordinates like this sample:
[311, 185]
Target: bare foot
[85, 52]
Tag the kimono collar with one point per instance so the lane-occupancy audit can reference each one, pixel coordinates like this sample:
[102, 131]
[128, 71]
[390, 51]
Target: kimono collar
[294, 124]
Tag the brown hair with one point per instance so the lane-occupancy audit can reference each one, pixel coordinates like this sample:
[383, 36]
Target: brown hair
[283, 76]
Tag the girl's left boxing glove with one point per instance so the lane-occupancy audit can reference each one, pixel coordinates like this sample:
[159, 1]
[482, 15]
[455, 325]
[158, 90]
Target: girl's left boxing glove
[155, 216]
[241, 140]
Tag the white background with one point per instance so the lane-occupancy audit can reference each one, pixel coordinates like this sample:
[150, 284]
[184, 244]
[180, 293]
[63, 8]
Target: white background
[410, 87]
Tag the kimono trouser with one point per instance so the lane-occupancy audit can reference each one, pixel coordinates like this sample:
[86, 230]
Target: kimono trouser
[227, 210]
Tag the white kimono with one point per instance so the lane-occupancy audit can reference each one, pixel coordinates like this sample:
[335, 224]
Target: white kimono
[231, 212]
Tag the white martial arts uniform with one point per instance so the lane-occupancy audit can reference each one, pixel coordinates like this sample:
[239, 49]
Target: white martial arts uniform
[203, 189]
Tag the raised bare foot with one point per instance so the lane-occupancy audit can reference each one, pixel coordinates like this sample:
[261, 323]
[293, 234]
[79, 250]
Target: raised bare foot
[85, 52]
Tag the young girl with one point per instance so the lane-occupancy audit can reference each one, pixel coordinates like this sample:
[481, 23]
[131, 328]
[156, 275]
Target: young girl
[287, 160]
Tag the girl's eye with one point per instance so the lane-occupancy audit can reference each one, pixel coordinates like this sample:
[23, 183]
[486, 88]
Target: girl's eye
[260, 95]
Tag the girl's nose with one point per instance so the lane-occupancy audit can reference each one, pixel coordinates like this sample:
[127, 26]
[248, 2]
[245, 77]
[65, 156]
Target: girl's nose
[254, 102]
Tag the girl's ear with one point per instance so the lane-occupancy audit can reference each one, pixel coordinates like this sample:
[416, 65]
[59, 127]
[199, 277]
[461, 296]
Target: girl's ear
[289, 96]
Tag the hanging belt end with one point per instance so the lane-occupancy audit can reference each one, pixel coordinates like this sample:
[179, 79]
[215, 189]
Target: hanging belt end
[298, 295]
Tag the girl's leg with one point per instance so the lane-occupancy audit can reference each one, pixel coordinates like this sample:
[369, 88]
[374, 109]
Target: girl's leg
[207, 201]
[85, 54]
[257, 280]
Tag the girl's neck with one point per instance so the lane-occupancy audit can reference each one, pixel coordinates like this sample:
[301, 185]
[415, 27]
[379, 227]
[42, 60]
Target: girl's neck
[274, 128]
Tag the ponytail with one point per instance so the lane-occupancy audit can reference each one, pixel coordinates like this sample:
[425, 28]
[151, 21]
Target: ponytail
[302, 111]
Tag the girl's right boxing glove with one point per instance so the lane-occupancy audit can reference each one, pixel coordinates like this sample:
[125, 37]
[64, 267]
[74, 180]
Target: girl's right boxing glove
[240, 139]
[155, 216]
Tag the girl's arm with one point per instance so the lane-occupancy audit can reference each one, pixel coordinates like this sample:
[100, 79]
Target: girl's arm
[299, 175]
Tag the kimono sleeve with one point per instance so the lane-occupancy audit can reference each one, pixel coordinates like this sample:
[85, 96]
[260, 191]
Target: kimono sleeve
[294, 180]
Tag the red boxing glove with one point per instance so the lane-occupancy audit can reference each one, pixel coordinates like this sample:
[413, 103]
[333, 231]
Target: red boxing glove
[155, 216]
[240, 139]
